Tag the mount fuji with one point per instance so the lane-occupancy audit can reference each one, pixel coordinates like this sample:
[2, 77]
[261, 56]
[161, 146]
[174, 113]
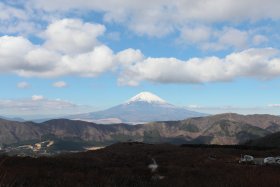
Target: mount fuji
[143, 107]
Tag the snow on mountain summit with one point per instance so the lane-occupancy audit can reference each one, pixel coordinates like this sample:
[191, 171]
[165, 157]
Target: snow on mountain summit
[146, 97]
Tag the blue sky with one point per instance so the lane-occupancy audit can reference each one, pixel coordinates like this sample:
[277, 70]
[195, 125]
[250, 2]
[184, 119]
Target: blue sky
[62, 57]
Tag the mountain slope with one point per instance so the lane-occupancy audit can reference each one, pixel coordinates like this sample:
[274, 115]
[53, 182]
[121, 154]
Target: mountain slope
[231, 132]
[271, 140]
[144, 107]
[217, 129]
[264, 121]
[15, 132]
[270, 123]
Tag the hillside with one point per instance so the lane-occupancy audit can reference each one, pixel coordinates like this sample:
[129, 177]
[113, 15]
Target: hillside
[230, 132]
[14, 132]
[271, 140]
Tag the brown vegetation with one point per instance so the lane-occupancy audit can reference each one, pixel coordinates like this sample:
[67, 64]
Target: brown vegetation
[126, 164]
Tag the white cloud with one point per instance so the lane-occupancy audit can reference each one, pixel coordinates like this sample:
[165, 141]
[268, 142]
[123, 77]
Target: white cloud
[226, 38]
[40, 59]
[18, 27]
[54, 58]
[60, 84]
[161, 17]
[23, 85]
[257, 63]
[213, 39]
[81, 55]
[12, 51]
[72, 36]
[89, 64]
[129, 56]
[18, 55]
[15, 19]
[195, 20]
[37, 97]
[233, 37]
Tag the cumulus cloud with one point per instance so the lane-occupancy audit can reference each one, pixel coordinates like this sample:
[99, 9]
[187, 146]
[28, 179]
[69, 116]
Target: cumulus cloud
[85, 55]
[23, 85]
[60, 84]
[233, 37]
[129, 56]
[18, 55]
[257, 63]
[99, 60]
[72, 36]
[12, 52]
[82, 55]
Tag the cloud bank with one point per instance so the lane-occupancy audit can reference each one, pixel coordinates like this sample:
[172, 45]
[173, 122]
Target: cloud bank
[211, 25]
[84, 55]
[38, 104]
[253, 63]
[60, 54]
[160, 17]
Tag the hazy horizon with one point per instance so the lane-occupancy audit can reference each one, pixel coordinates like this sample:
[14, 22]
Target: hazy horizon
[208, 111]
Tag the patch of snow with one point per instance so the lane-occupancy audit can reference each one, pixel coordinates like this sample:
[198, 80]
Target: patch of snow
[146, 97]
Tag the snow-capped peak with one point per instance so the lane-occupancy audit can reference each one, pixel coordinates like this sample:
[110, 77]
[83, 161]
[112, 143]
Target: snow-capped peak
[146, 97]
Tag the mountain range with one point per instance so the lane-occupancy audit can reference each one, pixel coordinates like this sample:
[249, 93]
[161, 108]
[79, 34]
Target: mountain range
[217, 129]
[142, 108]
